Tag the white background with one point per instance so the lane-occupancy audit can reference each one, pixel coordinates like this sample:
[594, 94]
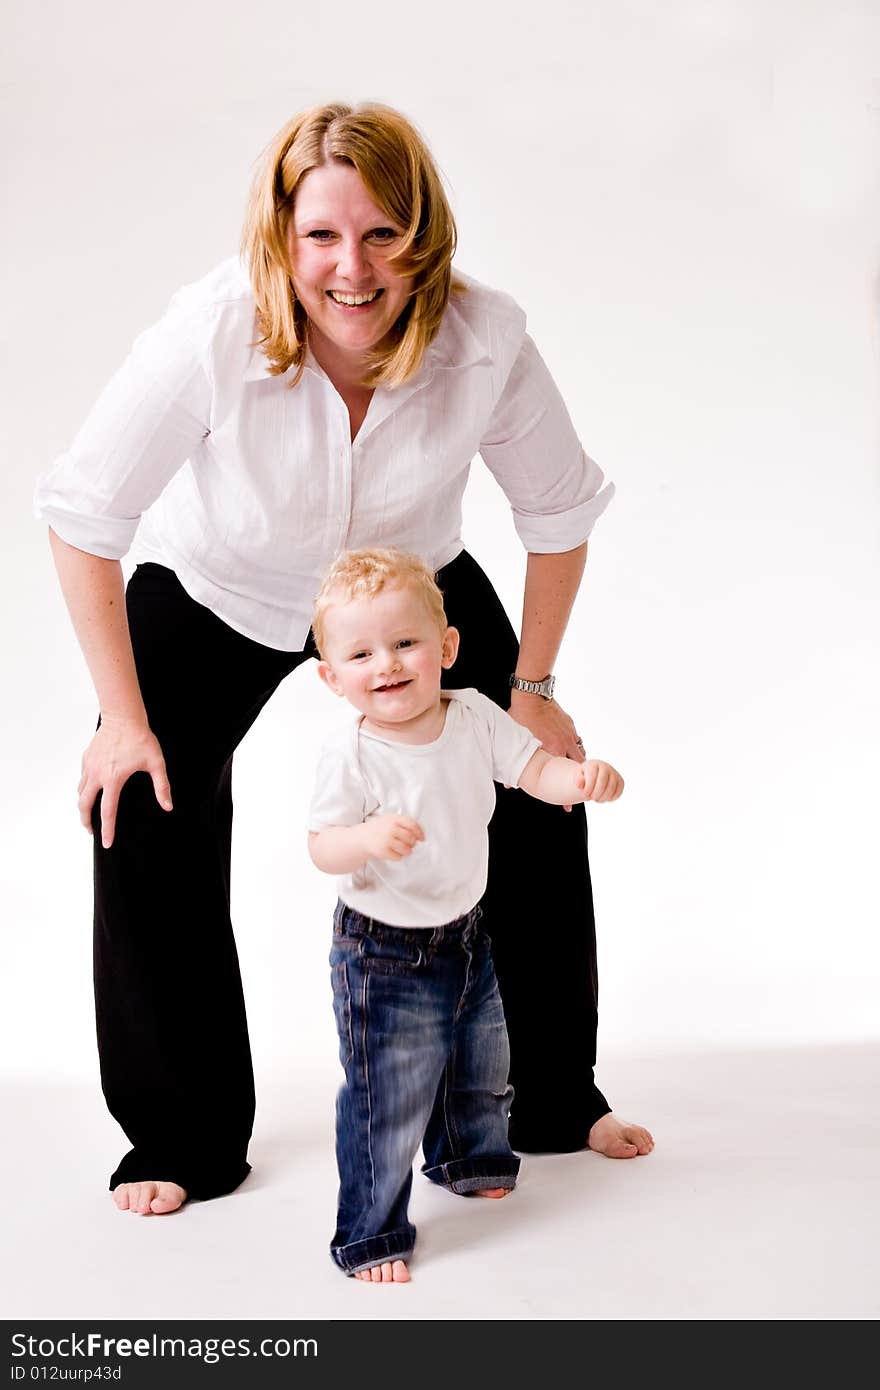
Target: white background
[684, 198]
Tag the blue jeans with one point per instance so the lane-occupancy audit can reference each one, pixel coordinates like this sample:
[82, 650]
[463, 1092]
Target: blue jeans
[423, 1044]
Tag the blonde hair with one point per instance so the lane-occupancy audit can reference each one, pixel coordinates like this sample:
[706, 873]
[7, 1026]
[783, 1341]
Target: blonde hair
[364, 573]
[399, 174]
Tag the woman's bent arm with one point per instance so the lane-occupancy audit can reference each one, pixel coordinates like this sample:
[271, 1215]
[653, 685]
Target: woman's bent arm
[95, 596]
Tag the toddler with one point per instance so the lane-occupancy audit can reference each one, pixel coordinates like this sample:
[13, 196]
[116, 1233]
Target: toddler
[403, 799]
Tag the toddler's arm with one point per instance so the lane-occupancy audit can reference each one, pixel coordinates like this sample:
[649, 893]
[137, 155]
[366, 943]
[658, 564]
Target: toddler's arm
[563, 782]
[341, 849]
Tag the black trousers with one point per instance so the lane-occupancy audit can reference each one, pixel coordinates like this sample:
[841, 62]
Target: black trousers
[173, 1042]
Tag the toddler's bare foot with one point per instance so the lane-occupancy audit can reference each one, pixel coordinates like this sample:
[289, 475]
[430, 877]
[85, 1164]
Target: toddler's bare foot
[616, 1139]
[392, 1272]
[491, 1192]
[149, 1198]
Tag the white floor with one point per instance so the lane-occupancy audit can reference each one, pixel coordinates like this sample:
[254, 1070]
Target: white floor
[760, 1201]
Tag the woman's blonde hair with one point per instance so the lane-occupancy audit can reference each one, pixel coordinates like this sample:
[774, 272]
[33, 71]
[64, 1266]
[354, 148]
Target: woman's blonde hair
[400, 175]
[364, 573]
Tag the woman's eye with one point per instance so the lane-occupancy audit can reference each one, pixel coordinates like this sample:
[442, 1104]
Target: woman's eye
[320, 234]
[383, 234]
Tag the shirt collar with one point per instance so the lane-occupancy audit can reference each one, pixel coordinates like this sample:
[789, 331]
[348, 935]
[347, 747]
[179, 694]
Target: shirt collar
[258, 366]
[455, 346]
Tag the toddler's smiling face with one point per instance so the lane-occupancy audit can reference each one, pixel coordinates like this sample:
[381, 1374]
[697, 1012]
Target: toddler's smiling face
[385, 655]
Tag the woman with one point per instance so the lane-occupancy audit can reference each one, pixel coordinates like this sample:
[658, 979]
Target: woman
[329, 394]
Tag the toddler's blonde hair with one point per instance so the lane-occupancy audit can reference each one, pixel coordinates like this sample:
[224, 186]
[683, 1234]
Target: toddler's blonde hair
[364, 573]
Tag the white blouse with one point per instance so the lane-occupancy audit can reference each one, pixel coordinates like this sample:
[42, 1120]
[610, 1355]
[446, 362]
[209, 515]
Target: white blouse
[249, 489]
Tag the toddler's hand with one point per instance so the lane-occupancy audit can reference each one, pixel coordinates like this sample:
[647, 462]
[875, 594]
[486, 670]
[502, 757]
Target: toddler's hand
[599, 781]
[391, 837]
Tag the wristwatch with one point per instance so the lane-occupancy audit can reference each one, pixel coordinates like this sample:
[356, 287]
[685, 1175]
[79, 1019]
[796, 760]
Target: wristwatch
[544, 687]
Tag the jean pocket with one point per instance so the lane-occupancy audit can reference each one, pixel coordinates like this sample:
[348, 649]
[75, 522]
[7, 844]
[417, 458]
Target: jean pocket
[349, 925]
[384, 956]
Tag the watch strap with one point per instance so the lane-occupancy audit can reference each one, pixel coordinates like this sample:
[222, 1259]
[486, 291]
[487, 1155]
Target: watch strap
[543, 687]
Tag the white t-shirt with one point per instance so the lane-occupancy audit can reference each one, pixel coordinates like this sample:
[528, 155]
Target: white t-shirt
[447, 786]
[249, 489]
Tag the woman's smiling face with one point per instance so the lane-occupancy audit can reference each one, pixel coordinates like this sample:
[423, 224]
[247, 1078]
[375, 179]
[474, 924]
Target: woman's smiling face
[338, 243]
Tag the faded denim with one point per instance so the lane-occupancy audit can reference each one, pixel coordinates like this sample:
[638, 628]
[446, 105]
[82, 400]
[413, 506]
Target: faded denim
[423, 1044]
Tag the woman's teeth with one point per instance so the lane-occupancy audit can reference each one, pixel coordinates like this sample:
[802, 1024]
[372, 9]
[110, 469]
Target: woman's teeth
[353, 299]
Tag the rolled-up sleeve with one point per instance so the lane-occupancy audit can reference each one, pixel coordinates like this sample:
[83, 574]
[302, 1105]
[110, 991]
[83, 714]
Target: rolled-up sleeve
[141, 430]
[555, 490]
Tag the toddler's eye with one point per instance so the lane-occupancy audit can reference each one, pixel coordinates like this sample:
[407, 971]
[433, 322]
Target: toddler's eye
[406, 642]
[358, 656]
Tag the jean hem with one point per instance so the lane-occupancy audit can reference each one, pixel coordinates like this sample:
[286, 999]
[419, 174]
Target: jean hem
[373, 1250]
[465, 1175]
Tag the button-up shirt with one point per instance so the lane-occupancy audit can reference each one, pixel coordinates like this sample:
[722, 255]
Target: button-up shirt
[249, 488]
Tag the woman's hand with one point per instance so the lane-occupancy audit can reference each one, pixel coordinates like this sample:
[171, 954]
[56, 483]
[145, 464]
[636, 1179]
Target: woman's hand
[120, 747]
[95, 595]
[548, 722]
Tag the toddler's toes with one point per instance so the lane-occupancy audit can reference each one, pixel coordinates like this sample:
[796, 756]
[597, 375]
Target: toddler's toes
[120, 1195]
[494, 1192]
[395, 1272]
[391, 1272]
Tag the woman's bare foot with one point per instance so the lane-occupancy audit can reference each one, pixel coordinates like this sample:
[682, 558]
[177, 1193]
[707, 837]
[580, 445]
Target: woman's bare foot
[392, 1272]
[149, 1198]
[616, 1139]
